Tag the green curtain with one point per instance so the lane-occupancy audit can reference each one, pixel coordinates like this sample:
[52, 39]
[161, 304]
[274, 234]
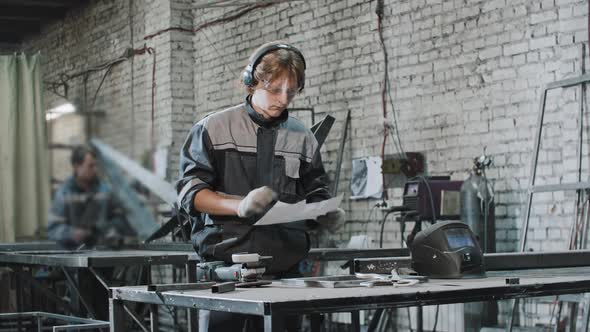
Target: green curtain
[24, 162]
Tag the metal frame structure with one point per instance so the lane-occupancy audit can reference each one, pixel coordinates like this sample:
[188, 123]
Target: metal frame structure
[92, 260]
[17, 255]
[75, 323]
[532, 188]
[273, 303]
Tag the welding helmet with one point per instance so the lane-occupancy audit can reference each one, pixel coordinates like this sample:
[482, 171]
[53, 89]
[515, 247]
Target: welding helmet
[447, 250]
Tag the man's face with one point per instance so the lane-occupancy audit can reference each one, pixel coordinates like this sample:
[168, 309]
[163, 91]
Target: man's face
[86, 171]
[271, 98]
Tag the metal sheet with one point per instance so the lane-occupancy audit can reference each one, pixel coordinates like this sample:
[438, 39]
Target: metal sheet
[322, 129]
[139, 217]
[324, 282]
[161, 188]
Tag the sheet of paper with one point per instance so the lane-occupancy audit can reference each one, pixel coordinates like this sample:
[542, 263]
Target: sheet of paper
[284, 213]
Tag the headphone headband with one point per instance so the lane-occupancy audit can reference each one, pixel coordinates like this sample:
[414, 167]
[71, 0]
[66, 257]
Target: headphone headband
[248, 74]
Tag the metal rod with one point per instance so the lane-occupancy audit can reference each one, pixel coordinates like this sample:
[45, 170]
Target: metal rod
[568, 82]
[533, 172]
[341, 153]
[81, 327]
[99, 277]
[77, 291]
[43, 314]
[560, 187]
[135, 317]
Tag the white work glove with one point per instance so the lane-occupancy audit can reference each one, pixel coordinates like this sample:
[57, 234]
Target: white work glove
[256, 202]
[332, 221]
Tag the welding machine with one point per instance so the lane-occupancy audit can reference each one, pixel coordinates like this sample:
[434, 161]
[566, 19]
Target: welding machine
[447, 249]
[430, 197]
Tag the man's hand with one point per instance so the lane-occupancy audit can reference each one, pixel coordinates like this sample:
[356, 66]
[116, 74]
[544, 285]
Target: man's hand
[256, 202]
[332, 221]
[80, 235]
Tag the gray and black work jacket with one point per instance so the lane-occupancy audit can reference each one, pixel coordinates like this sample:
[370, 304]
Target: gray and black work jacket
[94, 210]
[235, 151]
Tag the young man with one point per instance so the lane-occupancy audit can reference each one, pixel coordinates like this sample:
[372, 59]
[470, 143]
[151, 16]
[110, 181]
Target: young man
[236, 163]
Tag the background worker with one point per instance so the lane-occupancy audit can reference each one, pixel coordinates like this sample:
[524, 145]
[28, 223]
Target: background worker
[84, 214]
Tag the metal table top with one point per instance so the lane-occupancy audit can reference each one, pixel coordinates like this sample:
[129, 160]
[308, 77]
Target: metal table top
[280, 299]
[21, 246]
[94, 258]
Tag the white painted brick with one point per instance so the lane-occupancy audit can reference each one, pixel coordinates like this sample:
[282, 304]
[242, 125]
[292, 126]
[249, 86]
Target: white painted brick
[516, 48]
[542, 42]
[493, 4]
[490, 52]
[543, 17]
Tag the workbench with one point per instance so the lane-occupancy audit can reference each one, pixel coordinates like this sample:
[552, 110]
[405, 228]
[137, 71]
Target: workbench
[93, 261]
[275, 301]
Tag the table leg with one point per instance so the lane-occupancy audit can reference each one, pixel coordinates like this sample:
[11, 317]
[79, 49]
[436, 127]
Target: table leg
[116, 315]
[355, 321]
[273, 322]
[19, 295]
[154, 319]
[192, 314]
[316, 322]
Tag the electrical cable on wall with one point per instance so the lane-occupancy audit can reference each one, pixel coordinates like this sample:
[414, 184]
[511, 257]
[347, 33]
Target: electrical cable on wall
[152, 52]
[386, 92]
[379, 12]
[242, 11]
[129, 53]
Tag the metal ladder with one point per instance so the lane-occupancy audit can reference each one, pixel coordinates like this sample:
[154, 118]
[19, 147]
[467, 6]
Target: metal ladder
[579, 185]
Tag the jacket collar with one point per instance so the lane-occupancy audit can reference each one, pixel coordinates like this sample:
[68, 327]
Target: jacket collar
[262, 121]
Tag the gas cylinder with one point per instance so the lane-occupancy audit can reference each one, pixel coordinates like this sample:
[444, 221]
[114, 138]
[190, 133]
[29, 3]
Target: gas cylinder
[478, 212]
[477, 204]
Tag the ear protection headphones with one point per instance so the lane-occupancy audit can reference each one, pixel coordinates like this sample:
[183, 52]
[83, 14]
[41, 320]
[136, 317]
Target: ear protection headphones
[248, 74]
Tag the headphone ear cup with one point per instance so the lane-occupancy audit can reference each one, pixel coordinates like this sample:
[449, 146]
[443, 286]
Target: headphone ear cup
[247, 77]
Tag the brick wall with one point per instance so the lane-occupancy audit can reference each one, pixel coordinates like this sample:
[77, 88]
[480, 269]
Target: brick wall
[466, 79]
